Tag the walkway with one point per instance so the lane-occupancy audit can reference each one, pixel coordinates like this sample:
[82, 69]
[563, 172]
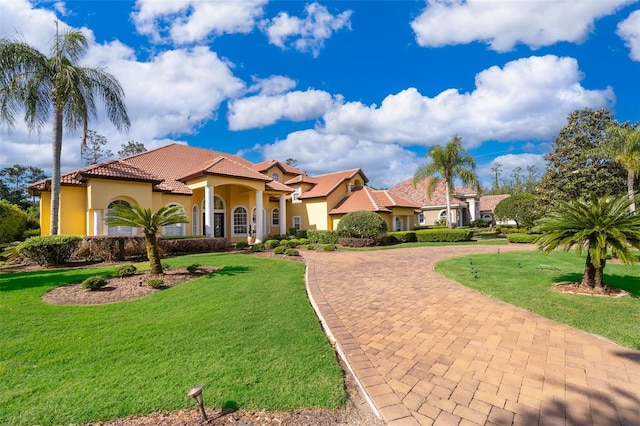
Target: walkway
[429, 351]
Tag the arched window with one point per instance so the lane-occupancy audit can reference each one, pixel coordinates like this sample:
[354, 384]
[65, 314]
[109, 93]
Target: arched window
[275, 217]
[195, 230]
[275, 177]
[118, 230]
[240, 221]
[175, 230]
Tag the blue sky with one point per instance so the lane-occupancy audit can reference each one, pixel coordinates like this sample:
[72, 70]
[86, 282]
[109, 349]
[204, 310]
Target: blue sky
[344, 84]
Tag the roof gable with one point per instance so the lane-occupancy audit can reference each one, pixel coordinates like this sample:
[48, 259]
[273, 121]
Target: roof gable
[418, 192]
[328, 183]
[365, 198]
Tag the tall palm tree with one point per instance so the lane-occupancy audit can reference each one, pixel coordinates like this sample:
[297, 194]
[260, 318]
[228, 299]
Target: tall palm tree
[136, 216]
[58, 86]
[624, 148]
[595, 225]
[447, 164]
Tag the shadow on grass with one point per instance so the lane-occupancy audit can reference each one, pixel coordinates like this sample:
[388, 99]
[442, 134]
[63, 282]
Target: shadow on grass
[46, 278]
[623, 282]
[231, 270]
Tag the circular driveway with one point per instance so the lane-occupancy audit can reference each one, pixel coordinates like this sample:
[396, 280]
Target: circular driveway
[429, 351]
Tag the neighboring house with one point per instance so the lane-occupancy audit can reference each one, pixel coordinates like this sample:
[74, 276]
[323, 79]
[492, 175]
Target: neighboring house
[223, 195]
[465, 202]
[488, 204]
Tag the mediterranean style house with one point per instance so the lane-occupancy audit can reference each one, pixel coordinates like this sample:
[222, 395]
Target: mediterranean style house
[223, 195]
[465, 202]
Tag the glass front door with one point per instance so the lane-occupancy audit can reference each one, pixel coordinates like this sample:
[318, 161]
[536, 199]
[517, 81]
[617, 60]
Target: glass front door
[218, 225]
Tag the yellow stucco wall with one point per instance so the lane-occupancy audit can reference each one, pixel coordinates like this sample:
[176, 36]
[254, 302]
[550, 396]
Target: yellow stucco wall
[101, 192]
[317, 217]
[45, 213]
[73, 217]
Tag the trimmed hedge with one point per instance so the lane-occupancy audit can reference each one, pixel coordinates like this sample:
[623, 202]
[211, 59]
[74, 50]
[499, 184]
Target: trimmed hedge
[357, 242]
[112, 248]
[50, 250]
[322, 237]
[444, 235]
[404, 236]
[173, 246]
[522, 238]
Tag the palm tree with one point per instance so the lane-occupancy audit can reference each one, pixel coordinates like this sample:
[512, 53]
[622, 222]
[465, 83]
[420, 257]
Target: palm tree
[43, 85]
[595, 225]
[136, 216]
[447, 164]
[624, 148]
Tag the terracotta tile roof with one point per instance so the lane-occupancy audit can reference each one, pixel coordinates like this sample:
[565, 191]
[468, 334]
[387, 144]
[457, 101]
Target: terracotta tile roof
[276, 186]
[488, 203]
[326, 184]
[226, 167]
[418, 193]
[302, 179]
[365, 198]
[266, 165]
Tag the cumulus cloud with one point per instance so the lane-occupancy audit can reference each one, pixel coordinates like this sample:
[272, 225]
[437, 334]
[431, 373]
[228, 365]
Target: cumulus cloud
[263, 110]
[503, 24]
[188, 21]
[317, 153]
[273, 85]
[306, 34]
[629, 31]
[526, 99]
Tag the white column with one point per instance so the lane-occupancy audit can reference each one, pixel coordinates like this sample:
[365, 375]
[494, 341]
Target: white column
[408, 226]
[208, 208]
[283, 214]
[97, 222]
[472, 208]
[259, 217]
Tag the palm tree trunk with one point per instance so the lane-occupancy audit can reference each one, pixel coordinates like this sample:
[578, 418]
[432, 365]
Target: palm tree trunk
[630, 182]
[589, 275]
[55, 169]
[448, 198]
[153, 253]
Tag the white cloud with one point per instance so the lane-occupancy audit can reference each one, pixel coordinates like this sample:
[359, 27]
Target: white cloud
[188, 21]
[629, 31]
[526, 99]
[263, 110]
[503, 24]
[307, 34]
[273, 85]
[318, 153]
[508, 163]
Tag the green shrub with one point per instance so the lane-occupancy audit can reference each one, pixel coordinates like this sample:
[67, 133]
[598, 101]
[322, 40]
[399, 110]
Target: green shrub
[444, 235]
[257, 247]
[310, 247]
[404, 236]
[323, 237]
[330, 247]
[126, 270]
[357, 242]
[522, 238]
[283, 243]
[112, 248]
[303, 241]
[94, 283]
[193, 268]
[30, 233]
[50, 250]
[155, 282]
[479, 223]
[13, 222]
[292, 252]
[272, 244]
[165, 265]
[293, 243]
[190, 245]
[279, 250]
[361, 224]
[301, 234]
[242, 245]
[293, 231]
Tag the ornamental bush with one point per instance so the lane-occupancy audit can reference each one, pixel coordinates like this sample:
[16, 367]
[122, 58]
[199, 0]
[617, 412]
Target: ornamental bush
[50, 250]
[242, 245]
[404, 236]
[272, 244]
[292, 252]
[279, 250]
[94, 283]
[522, 238]
[174, 246]
[13, 222]
[257, 247]
[322, 237]
[444, 235]
[193, 268]
[357, 242]
[361, 224]
[330, 247]
[126, 270]
[155, 283]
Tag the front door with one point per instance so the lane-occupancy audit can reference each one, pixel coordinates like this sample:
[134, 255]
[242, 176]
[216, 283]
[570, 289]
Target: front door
[218, 225]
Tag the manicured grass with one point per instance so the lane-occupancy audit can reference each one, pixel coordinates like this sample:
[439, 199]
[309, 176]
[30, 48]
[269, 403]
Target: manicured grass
[246, 332]
[524, 279]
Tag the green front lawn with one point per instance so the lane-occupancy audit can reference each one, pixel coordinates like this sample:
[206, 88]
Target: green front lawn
[246, 332]
[524, 279]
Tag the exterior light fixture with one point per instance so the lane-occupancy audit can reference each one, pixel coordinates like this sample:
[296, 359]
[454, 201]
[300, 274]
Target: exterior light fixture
[196, 394]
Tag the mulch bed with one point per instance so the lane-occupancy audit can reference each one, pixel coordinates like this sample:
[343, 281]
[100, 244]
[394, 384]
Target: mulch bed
[577, 288]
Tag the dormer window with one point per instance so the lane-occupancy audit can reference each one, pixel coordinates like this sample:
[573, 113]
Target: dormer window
[295, 197]
[275, 177]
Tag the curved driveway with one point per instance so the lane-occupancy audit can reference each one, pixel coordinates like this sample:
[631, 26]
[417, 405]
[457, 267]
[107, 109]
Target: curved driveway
[429, 351]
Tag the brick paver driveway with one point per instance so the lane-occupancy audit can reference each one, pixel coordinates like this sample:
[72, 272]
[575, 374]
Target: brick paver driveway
[429, 351]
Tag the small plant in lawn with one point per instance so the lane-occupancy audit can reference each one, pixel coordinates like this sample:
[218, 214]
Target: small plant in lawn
[242, 245]
[257, 247]
[330, 247]
[94, 283]
[292, 252]
[126, 270]
[279, 250]
[155, 282]
[193, 268]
